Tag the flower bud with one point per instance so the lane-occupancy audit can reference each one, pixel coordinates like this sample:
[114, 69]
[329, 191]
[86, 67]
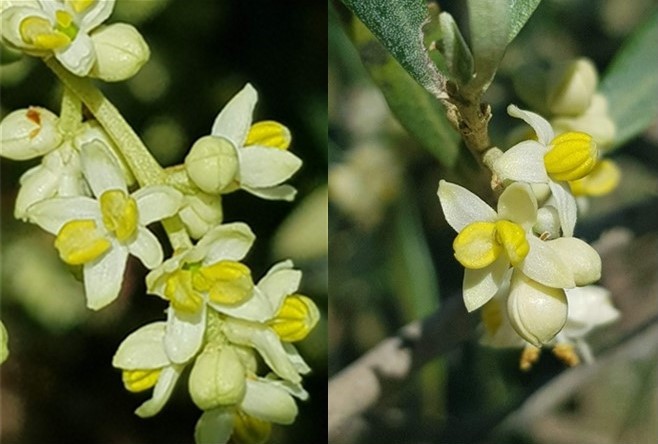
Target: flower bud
[571, 87]
[582, 259]
[120, 52]
[212, 164]
[596, 121]
[200, 213]
[536, 312]
[217, 378]
[29, 133]
[548, 221]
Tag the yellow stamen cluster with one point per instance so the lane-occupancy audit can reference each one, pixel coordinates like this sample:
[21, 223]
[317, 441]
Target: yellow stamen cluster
[572, 156]
[42, 34]
[479, 244]
[566, 353]
[529, 356]
[270, 134]
[249, 430]
[296, 318]
[603, 179]
[120, 214]
[80, 5]
[80, 241]
[140, 380]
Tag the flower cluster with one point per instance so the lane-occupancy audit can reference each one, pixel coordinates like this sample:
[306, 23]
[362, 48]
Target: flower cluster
[97, 189]
[523, 255]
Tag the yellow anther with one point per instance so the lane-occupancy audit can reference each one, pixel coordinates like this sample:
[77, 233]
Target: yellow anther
[571, 157]
[227, 282]
[529, 356]
[180, 292]
[39, 32]
[475, 246]
[512, 238]
[249, 430]
[140, 380]
[80, 5]
[600, 181]
[296, 318]
[566, 353]
[80, 241]
[270, 134]
[492, 316]
[119, 214]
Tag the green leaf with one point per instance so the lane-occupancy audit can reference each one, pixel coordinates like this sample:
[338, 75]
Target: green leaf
[631, 85]
[457, 54]
[494, 24]
[421, 114]
[398, 25]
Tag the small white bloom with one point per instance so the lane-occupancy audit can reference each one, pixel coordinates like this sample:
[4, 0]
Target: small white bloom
[208, 273]
[100, 234]
[550, 160]
[145, 364]
[252, 157]
[57, 27]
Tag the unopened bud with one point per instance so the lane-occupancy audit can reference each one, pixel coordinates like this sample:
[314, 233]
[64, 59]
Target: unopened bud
[571, 87]
[29, 133]
[120, 52]
[212, 164]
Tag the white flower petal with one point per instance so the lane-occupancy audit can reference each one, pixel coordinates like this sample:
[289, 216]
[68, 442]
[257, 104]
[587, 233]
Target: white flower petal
[262, 167]
[461, 207]
[95, 14]
[280, 281]
[257, 308]
[583, 260]
[297, 361]
[79, 56]
[142, 349]
[100, 168]
[227, 242]
[545, 265]
[518, 204]
[161, 392]
[566, 207]
[481, 285]
[541, 126]
[146, 247]
[184, 334]
[266, 342]
[157, 202]
[294, 388]
[234, 121]
[589, 307]
[281, 192]
[37, 184]
[523, 162]
[52, 214]
[214, 427]
[103, 277]
[268, 402]
[12, 18]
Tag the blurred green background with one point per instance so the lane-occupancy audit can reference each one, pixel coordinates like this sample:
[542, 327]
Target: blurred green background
[58, 385]
[391, 253]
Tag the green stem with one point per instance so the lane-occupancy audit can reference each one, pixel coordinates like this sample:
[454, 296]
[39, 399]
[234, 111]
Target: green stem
[70, 115]
[146, 169]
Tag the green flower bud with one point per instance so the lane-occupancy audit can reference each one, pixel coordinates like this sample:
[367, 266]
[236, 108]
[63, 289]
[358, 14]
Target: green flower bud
[120, 52]
[212, 164]
[217, 378]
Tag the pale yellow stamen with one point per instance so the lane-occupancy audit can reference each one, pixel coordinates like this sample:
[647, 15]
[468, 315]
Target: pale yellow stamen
[529, 356]
[512, 238]
[249, 430]
[39, 32]
[119, 214]
[227, 282]
[270, 134]
[181, 293]
[492, 316]
[140, 380]
[296, 318]
[80, 241]
[566, 353]
[572, 156]
[603, 179]
[80, 5]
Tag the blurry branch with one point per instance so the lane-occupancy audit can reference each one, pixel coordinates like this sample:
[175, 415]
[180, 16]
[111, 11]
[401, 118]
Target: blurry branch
[640, 344]
[389, 366]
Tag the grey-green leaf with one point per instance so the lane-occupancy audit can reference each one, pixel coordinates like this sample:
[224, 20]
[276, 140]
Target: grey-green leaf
[418, 111]
[453, 46]
[631, 85]
[398, 25]
[494, 24]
